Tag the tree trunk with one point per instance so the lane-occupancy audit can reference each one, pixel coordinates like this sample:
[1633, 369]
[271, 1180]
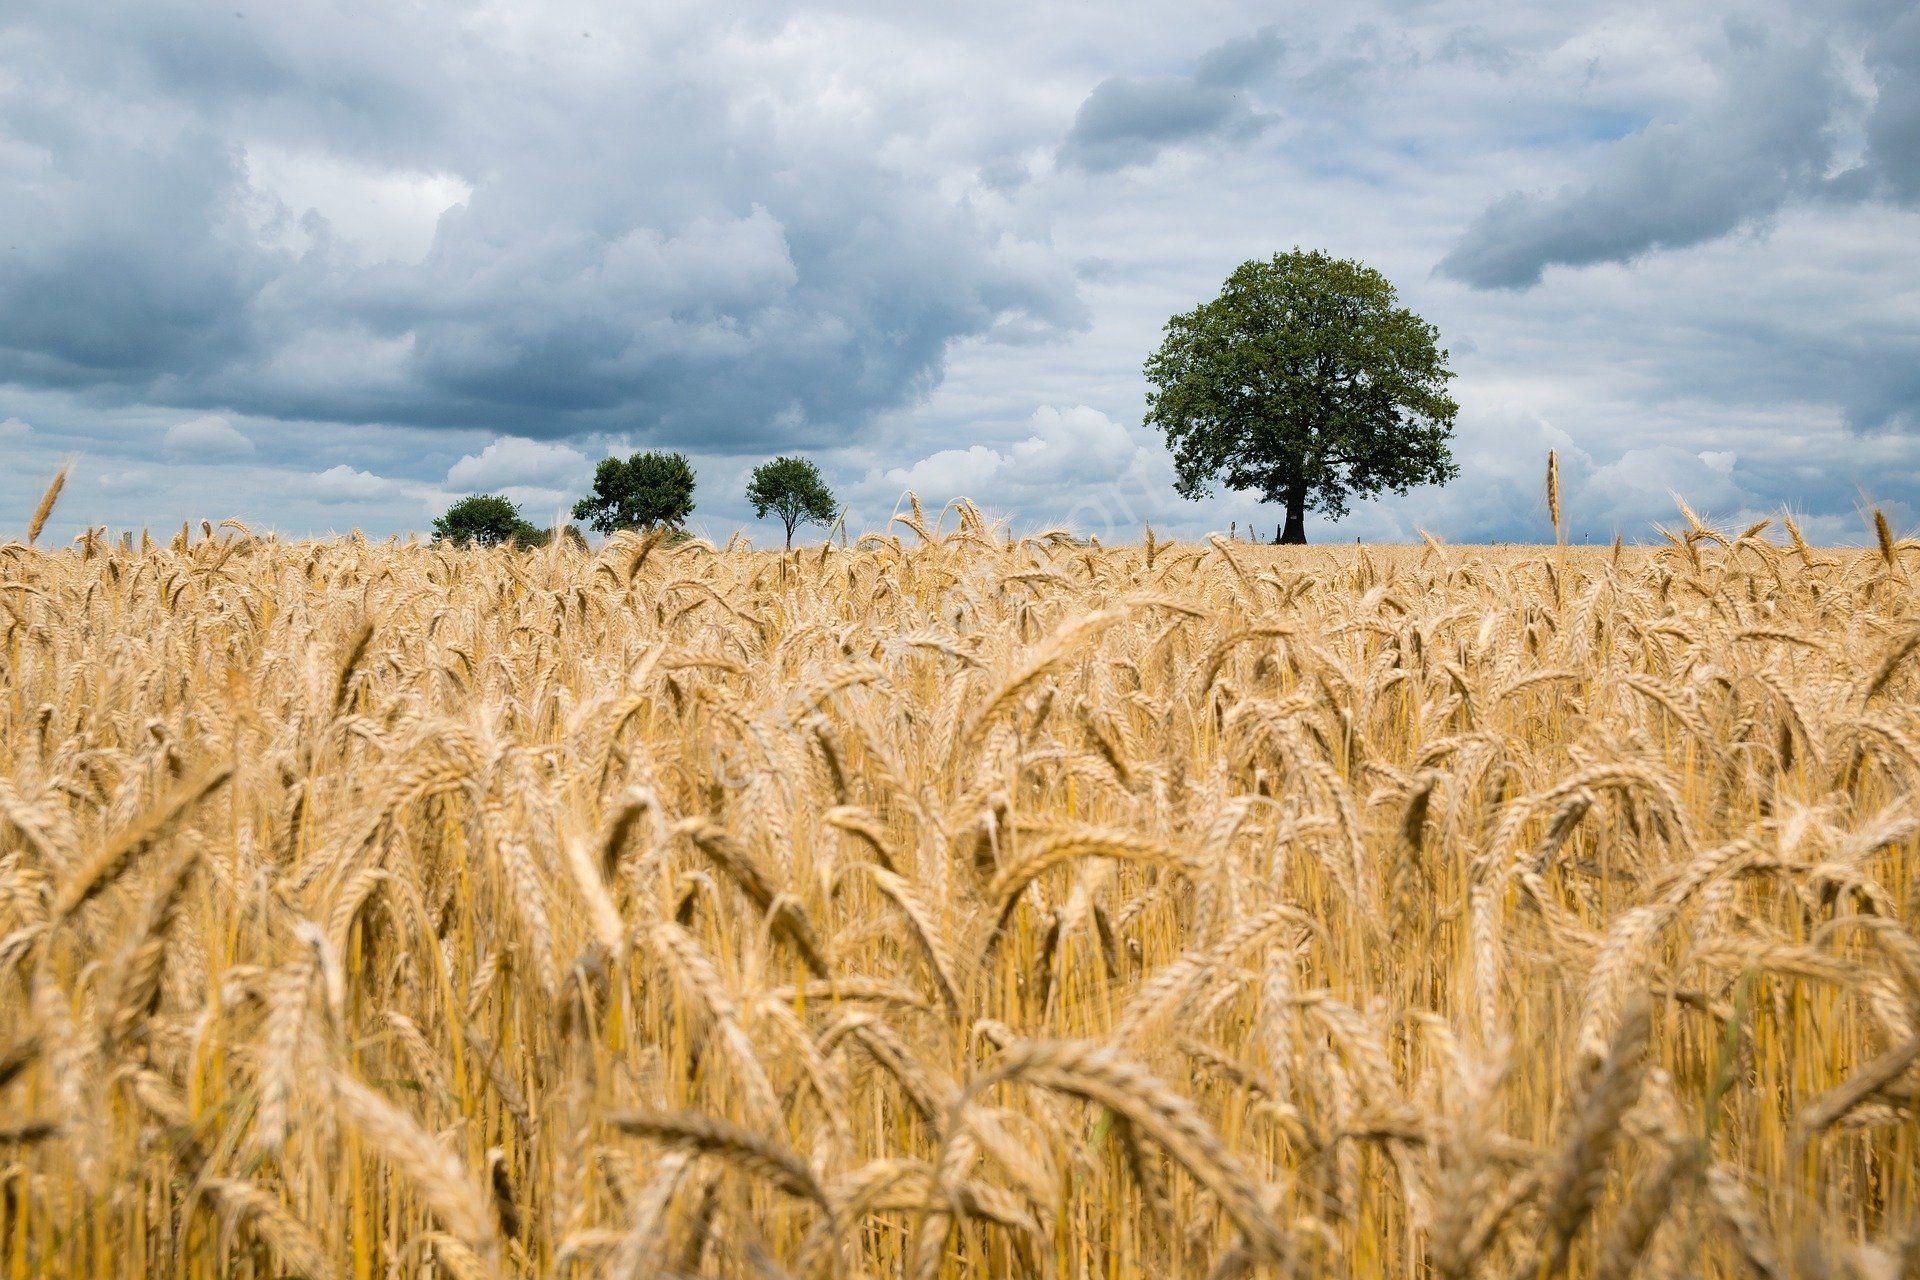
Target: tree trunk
[1295, 533]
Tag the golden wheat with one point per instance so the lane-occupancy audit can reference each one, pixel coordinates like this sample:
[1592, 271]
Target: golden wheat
[968, 905]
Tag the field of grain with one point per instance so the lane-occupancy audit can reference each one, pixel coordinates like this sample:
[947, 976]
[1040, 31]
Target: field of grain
[954, 904]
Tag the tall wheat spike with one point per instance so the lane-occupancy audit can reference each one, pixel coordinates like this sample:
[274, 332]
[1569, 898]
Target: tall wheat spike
[45, 508]
[1553, 493]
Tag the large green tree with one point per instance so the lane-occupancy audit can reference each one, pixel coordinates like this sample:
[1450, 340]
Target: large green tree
[794, 490]
[487, 520]
[639, 492]
[1307, 382]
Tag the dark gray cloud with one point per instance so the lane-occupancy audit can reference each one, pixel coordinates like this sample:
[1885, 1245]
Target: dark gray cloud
[1241, 61]
[123, 259]
[1768, 136]
[637, 248]
[1130, 120]
[1761, 142]
[1893, 127]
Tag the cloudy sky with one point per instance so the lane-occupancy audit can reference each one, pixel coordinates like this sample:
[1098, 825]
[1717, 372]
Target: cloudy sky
[333, 264]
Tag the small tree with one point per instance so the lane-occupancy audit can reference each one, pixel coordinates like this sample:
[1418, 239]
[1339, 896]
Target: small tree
[793, 490]
[639, 492]
[487, 520]
[1306, 381]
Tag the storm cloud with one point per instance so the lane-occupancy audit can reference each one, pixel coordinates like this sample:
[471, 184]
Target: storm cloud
[1767, 134]
[1761, 142]
[642, 237]
[1893, 127]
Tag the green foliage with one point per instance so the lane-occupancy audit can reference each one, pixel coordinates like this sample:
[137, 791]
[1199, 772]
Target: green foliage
[541, 537]
[639, 492]
[487, 520]
[1307, 382]
[793, 489]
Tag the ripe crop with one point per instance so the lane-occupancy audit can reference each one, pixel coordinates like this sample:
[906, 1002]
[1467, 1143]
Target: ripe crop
[958, 904]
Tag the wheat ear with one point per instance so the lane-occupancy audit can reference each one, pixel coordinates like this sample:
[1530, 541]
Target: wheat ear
[743, 1148]
[45, 509]
[113, 859]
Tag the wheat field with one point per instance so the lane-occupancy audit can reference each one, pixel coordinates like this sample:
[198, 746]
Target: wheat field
[958, 904]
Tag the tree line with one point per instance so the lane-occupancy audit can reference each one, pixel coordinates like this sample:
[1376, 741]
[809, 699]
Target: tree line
[650, 490]
[1304, 381]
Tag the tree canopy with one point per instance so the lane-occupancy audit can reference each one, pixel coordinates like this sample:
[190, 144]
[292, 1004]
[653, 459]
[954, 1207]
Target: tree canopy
[639, 492]
[487, 520]
[793, 490]
[1306, 381]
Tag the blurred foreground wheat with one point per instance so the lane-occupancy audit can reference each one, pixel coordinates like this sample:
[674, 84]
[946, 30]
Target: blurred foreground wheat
[952, 904]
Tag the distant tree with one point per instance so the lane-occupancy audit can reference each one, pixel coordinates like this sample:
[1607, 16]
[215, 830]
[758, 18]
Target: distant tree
[791, 488]
[639, 492]
[487, 520]
[1304, 380]
[542, 537]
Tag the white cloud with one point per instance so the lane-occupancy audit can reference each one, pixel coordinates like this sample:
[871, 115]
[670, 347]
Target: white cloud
[1074, 447]
[346, 484]
[1638, 488]
[543, 506]
[373, 212]
[121, 482]
[1075, 466]
[14, 429]
[514, 462]
[209, 436]
[951, 473]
